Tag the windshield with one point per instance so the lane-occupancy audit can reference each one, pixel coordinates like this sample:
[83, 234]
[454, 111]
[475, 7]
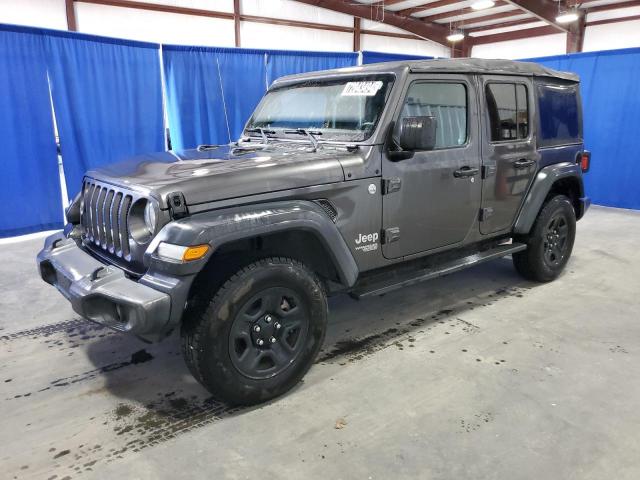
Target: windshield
[338, 109]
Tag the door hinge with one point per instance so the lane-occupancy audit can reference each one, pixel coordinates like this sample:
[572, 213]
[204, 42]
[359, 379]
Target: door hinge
[390, 185]
[390, 235]
[485, 213]
[488, 171]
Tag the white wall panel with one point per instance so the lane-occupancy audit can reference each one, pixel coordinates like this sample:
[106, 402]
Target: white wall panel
[291, 10]
[380, 27]
[262, 35]
[612, 36]
[615, 13]
[525, 48]
[194, 30]
[216, 5]
[154, 26]
[35, 13]
[377, 43]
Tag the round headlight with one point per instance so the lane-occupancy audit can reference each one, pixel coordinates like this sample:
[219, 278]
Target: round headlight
[143, 219]
[150, 217]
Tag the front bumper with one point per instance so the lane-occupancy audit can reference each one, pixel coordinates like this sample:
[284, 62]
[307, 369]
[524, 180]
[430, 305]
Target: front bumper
[100, 292]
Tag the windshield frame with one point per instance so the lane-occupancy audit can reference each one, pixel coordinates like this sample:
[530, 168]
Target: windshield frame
[389, 76]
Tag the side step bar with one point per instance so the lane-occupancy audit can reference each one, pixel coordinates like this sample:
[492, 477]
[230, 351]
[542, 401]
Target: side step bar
[410, 278]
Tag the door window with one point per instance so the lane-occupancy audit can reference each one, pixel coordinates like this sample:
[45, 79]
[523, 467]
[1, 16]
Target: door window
[447, 103]
[508, 111]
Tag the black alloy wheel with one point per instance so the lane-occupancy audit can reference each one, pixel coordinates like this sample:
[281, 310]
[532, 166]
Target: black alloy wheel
[550, 241]
[256, 335]
[555, 240]
[269, 332]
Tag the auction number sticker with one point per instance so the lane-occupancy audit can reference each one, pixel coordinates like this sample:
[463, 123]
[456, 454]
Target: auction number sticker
[361, 89]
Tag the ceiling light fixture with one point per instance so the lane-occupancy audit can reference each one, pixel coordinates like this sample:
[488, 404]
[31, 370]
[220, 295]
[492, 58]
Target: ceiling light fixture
[568, 16]
[482, 4]
[455, 36]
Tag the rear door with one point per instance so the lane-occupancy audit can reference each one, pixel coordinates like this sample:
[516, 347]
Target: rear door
[434, 197]
[509, 153]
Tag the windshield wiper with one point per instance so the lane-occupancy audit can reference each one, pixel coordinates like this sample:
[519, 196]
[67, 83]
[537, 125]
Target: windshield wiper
[206, 147]
[310, 135]
[263, 133]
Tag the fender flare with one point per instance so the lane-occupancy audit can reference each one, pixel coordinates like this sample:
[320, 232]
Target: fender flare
[539, 190]
[219, 227]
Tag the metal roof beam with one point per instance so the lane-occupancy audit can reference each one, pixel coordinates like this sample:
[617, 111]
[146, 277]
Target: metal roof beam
[545, 10]
[426, 30]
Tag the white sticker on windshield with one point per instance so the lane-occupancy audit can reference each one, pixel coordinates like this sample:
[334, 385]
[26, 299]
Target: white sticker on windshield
[361, 89]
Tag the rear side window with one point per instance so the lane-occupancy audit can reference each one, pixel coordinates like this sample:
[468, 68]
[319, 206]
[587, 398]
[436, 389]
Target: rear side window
[508, 111]
[560, 122]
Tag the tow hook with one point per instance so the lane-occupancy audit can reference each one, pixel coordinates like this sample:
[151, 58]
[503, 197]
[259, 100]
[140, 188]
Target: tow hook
[98, 273]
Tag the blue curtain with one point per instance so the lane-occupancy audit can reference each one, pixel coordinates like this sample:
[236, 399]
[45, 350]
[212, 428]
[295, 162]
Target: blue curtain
[196, 79]
[29, 183]
[284, 62]
[243, 85]
[211, 92]
[611, 100]
[194, 100]
[377, 57]
[107, 98]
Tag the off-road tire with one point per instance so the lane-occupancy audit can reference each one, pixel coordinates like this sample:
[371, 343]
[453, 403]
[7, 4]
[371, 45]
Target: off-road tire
[540, 261]
[207, 334]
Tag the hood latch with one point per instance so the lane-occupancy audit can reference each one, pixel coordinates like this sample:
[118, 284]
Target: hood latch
[177, 205]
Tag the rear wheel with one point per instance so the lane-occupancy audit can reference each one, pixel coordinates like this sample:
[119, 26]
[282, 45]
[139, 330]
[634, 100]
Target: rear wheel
[260, 332]
[550, 242]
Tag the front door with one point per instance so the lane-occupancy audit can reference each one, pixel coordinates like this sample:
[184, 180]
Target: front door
[508, 149]
[433, 198]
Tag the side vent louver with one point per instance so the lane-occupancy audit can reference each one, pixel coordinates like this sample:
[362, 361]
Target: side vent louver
[328, 208]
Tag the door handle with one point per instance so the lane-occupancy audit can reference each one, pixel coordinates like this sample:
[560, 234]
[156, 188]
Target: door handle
[466, 172]
[523, 163]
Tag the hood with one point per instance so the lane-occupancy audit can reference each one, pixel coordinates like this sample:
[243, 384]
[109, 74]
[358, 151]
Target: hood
[227, 171]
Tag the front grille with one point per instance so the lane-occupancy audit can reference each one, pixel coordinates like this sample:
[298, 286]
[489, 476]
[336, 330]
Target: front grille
[104, 217]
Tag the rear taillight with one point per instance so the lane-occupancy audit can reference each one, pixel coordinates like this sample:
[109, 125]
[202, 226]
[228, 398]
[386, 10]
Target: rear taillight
[584, 159]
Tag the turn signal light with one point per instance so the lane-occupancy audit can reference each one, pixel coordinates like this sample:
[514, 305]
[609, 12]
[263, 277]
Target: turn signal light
[179, 253]
[195, 253]
[585, 161]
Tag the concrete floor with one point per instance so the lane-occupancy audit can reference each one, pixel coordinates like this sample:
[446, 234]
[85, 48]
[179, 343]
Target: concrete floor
[477, 375]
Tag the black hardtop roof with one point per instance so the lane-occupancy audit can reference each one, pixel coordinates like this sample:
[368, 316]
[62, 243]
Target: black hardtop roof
[445, 65]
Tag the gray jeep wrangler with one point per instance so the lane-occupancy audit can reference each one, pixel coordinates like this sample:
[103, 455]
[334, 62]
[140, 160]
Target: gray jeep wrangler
[359, 180]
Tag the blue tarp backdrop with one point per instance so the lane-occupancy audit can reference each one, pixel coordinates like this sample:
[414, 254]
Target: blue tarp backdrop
[107, 97]
[611, 102]
[283, 62]
[243, 84]
[211, 92]
[377, 57]
[29, 186]
[194, 96]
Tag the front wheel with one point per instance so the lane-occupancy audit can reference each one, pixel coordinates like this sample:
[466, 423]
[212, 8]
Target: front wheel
[550, 242]
[260, 332]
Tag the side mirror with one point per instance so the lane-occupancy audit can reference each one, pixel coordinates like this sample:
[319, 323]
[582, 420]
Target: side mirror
[418, 133]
